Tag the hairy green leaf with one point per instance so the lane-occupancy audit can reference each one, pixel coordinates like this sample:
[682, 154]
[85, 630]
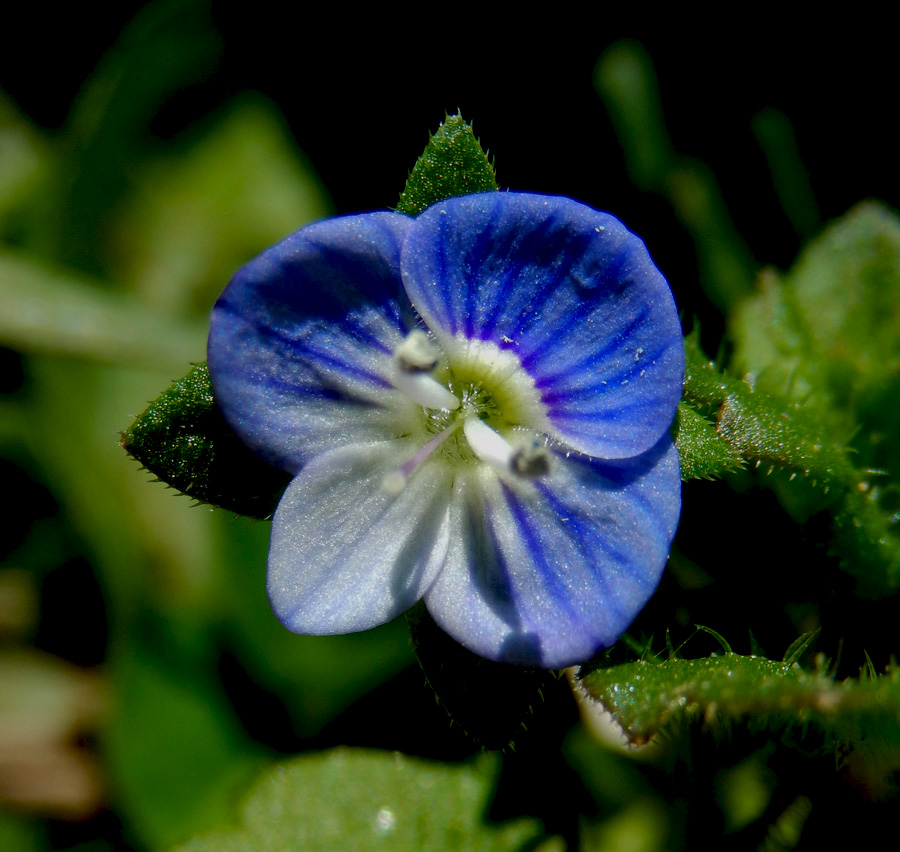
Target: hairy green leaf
[704, 453]
[647, 695]
[731, 424]
[452, 164]
[184, 440]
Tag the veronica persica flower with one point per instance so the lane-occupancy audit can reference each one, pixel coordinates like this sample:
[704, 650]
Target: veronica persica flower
[475, 405]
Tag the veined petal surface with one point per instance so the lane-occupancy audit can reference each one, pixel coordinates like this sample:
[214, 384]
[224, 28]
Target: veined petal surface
[568, 290]
[346, 554]
[548, 572]
[300, 341]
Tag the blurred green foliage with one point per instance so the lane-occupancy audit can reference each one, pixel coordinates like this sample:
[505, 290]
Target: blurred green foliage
[374, 800]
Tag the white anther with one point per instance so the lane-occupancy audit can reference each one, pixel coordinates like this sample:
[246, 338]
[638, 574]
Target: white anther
[417, 353]
[424, 389]
[414, 359]
[490, 446]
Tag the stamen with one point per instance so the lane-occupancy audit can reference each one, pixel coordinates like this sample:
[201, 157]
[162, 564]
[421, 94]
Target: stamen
[414, 359]
[529, 461]
[424, 389]
[490, 446]
[395, 481]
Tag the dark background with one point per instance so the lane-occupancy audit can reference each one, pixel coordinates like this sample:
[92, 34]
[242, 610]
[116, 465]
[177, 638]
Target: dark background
[361, 93]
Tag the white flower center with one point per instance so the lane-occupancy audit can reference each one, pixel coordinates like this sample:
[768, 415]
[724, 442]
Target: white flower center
[475, 385]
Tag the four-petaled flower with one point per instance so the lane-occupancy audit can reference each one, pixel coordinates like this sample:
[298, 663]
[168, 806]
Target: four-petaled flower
[475, 404]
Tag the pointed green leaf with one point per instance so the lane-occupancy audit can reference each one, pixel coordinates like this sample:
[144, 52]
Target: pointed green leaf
[183, 439]
[453, 163]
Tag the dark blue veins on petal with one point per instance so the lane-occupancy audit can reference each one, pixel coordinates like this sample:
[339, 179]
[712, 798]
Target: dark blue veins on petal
[297, 336]
[605, 382]
[496, 263]
[527, 289]
[549, 364]
[548, 574]
[488, 567]
[313, 351]
[612, 414]
[326, 270]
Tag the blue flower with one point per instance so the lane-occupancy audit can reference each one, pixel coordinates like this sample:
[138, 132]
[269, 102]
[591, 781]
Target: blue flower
[475, 405]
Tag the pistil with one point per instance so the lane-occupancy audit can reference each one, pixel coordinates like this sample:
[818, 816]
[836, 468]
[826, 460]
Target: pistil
[396, 480]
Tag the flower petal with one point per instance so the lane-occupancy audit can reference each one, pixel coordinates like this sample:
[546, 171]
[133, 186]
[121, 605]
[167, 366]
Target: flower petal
[300, 341]
[572, 293]
[346, 554]
[549, 572]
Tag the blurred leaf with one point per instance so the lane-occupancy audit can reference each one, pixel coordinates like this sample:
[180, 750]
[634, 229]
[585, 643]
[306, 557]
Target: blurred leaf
[360, 800]
[173, 746]
[745, 790]
[775, 135]
[184, 440]
[109, 127]
[626, 81]
[52, 311]
[18, 834]
[193, 219]
[453, 163]
[177, 756]
[648, 695]
[828, 332]
[827, 336]
[23, 165]
[641, 826]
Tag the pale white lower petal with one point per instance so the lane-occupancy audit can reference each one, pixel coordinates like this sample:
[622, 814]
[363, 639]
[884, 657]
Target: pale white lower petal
[348, 554]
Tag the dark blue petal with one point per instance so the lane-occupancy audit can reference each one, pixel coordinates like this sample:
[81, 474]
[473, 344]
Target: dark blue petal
[300, 341]
[572, 293]
[548, 573]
